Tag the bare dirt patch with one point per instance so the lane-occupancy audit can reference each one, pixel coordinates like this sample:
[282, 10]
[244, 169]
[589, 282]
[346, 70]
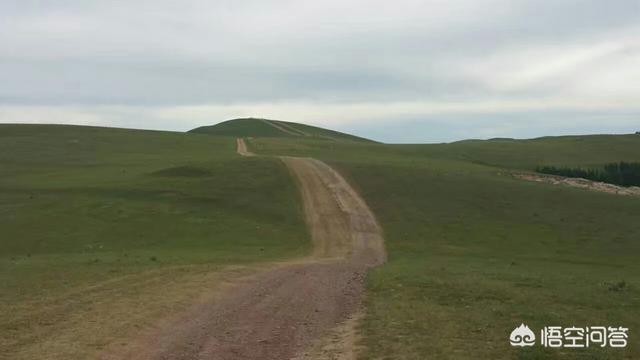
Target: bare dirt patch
[579, 183]
[340, 344]
[84, 321]
[272, 315]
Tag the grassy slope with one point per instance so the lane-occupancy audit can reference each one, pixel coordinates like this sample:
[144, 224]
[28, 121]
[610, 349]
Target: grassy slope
[89, 214]
[322, 133]
[241, 128]
[258, 128]
[472, 253]
[586, 151]
[576, 151]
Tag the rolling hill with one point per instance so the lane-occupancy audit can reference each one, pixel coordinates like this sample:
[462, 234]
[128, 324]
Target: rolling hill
[106, 231]
[474, 252]
[95, 220]
[253, 127]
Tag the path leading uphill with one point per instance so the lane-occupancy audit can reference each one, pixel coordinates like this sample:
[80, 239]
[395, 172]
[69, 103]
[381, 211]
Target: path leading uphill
[241, 147]
[281, 312]
[341, 224]
[282, 127]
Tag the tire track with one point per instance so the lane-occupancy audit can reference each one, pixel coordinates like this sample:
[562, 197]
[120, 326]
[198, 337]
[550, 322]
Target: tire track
[283, 124]
[281, 128]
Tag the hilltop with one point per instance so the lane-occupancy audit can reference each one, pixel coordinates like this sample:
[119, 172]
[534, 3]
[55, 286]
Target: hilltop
[254, 127]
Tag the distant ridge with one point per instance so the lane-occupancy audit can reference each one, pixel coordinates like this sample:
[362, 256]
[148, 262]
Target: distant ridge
[254, 127]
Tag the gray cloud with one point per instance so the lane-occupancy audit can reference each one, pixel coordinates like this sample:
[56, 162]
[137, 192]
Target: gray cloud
[156, 56]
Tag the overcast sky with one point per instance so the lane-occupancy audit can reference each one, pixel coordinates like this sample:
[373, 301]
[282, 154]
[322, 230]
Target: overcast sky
[397, 71]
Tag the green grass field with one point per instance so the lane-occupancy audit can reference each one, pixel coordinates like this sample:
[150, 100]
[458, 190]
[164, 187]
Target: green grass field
[578, 151]
[473, 253]
[321, 133]
[88, 212]
[105, 230]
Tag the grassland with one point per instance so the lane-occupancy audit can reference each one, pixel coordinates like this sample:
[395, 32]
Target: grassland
[242, 127]
[105, 230]
[320, 133]
[253, 127]
[579, 151]
[582, 151]
[473, 253]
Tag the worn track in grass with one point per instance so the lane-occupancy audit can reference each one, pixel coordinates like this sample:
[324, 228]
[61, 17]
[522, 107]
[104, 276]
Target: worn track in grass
[282, 312]
[242, 148]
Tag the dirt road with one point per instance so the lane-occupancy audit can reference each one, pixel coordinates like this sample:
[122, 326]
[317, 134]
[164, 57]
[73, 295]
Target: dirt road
[340, 222]
[242, 148]
[287, 129]
[280, 313]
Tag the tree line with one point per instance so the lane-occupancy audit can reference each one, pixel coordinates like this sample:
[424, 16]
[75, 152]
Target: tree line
[620, 173]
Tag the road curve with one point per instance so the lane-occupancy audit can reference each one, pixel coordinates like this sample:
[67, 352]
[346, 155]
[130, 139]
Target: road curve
[340, 222]
[281, 312]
